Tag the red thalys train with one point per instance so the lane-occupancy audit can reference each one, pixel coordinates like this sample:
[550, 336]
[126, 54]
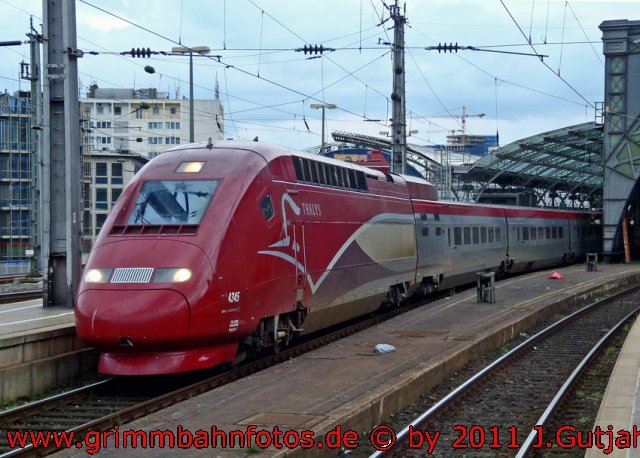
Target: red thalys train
[214, 250]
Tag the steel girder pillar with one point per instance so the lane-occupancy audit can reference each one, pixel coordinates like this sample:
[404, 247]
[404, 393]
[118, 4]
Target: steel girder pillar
[621, 148]
[61, 160]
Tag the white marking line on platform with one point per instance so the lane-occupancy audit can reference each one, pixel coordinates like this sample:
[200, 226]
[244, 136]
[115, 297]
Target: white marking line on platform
[36, 319]
[21, 308]
[503, 283]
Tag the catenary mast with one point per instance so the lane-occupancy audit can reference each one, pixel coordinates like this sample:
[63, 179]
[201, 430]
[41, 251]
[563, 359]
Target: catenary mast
[61, 160]
[398, 120]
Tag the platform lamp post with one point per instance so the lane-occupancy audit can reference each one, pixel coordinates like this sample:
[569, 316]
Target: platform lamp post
[328, 106]
[203, 50]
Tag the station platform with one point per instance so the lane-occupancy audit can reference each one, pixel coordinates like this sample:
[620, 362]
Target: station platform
[29, 316]
[39, 349]
[347, 384]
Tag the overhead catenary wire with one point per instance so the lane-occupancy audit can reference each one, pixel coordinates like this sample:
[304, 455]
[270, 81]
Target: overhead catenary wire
[564, 20]
[598, 56]
[543, 62]
[222, 63]
[365, 78]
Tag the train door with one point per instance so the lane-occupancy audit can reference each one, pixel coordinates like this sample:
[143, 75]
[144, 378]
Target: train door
[300, 254]
[572, 229]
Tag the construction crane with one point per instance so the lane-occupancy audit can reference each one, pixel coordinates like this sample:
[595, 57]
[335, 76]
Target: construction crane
[463, 118]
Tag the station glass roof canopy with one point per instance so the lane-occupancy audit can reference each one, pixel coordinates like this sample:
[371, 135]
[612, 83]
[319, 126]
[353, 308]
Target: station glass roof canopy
[565, 160]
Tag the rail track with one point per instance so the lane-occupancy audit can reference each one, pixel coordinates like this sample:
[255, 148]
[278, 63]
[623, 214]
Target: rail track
[4, 279]
[18, 296]
[116, 401]
[506, 408]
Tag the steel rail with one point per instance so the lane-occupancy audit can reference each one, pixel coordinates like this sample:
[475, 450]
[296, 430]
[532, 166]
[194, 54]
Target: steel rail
[527, 447]
[471, 382]
[153, 404]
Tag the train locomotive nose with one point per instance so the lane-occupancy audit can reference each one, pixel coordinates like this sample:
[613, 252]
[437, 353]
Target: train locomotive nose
[133, 319]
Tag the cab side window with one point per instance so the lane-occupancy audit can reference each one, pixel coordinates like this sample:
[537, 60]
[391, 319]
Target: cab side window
[266, 207]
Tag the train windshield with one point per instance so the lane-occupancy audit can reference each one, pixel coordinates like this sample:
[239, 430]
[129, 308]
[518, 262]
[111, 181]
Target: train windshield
[172, 202]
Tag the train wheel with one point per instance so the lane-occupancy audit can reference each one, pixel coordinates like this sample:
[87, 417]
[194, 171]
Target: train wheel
[282, 342]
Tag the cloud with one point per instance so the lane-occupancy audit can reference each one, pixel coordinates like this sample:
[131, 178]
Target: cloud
[266, 87]
[95, 20]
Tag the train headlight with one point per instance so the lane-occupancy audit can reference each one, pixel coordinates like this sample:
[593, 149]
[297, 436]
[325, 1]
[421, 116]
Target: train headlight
[190, 167]
[174, 275]
[97, 275]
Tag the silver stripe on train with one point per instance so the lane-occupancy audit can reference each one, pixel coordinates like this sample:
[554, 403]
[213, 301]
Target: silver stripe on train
[132, 275]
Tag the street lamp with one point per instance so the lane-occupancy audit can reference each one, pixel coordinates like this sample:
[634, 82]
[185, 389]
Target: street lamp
[184, 50]
[329, 106]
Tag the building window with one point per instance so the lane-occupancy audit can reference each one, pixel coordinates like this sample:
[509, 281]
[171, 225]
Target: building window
[100, 110]
[100, 219]
[117, 110]
[138, 113]
[116, 173]
[156, 110]
[173, 110]
[86, 224]
[101, 173]
[115, 193]
[101, 199]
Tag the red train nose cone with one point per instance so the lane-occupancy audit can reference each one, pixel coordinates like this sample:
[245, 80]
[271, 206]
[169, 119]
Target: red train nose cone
[141, 319]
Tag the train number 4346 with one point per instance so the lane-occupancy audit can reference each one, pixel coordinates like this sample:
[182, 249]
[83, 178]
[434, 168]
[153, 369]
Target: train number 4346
[233, 297]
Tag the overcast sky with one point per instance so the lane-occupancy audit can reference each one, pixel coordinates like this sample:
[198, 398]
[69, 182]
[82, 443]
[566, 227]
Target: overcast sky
[266, 86]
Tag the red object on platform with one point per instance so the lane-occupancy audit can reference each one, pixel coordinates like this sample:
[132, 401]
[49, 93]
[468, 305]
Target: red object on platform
[556, 276]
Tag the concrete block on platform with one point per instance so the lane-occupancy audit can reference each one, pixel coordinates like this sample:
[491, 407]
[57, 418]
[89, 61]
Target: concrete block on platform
[16, 383]
[67, 367]
[11, 355]
[43, 376]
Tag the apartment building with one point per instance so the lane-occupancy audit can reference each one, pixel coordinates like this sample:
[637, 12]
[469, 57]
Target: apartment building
[146, 121]
[104, 176]
[15, 181]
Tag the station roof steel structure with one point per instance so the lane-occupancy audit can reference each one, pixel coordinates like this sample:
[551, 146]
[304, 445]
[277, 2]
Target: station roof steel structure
[565, 160]
[427, 157]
